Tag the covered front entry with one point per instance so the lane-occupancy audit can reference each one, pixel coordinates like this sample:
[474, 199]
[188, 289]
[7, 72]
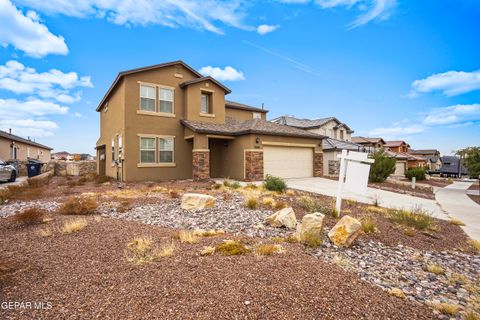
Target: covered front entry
[288, 162]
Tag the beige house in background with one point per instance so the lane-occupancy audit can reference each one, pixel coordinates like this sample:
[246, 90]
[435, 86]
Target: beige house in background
[329, 127]
[167, 121]
[15, 148]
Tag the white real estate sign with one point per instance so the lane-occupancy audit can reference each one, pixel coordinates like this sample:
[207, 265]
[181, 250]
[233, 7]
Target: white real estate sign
[354, 172]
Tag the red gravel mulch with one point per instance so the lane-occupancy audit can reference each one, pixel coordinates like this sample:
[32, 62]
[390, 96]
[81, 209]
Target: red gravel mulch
[475, 198]
[85, 275]
[400, 188]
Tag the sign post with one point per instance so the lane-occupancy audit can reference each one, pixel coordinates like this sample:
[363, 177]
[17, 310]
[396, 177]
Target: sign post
[353, 175]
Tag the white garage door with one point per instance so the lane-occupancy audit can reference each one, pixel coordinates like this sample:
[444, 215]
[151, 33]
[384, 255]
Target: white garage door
[399, 169]
[288, 162]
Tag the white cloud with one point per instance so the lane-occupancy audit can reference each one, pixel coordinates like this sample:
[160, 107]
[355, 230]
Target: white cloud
[397, 131]
[265, 28]
[53, 84]
[453, 115]
[26, 33]
[450, 83]
[14, 109]
[29, 127]
[226, 74]
[203, 15]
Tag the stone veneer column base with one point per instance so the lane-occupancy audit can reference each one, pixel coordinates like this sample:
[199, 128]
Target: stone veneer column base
[318, 164]
[253, 165]
[201, 164]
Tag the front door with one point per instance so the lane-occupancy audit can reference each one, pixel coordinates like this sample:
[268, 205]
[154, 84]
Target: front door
[101, 161]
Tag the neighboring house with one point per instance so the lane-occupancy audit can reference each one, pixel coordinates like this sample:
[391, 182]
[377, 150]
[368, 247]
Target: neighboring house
[331, 149]
[433, 158]
[167, 121]
[330, 127]
[451, 167]
[62, 155]
[15, 148]
[401, 164]
[397, 146]
[370, 144]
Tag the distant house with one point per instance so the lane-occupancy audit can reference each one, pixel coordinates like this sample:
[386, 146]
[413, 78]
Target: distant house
[370, 144]
[397, 146]
[451, 167]
[331, 149]
[401, 164]
[330, 127]
[62, 155]
[433, 158]
[15, 148]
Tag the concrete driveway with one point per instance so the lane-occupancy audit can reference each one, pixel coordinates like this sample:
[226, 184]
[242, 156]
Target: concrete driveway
[19, 181]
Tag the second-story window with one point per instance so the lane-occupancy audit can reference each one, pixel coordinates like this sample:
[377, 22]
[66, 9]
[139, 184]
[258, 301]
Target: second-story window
[206, 103]
[166, 100]
[341, 134]
[147, 98]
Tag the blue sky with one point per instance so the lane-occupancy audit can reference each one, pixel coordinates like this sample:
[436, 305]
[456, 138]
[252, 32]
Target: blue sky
[398, 69]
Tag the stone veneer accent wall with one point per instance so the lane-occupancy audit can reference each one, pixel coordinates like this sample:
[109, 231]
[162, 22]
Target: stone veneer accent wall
[201, 164]
[254, 165]
[318, 164]
[333, 167]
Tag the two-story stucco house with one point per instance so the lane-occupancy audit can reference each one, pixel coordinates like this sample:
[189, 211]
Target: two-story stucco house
[167, 121]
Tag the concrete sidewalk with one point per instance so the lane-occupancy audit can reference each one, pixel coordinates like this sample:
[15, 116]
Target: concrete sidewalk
[454, 200]
[385, 199]
[18, 181]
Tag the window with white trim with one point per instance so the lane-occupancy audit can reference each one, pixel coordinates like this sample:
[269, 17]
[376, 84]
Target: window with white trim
[148, 95]
[147, 150]
[113, 150]
[120, 147]
[165, 154]
[206, 104]
[165, 100]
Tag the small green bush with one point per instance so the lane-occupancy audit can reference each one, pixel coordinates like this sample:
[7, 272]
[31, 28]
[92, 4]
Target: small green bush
[418, 173]
[417, 218]
[382, 167]
[275, 184]
[235, 185]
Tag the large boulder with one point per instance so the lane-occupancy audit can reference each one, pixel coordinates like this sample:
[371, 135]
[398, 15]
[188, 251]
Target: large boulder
[283, 218]
[311, 226]
[195, 201]
[345, 231]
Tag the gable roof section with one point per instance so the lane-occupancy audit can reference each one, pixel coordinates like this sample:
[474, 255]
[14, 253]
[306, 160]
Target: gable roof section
[395, 143]
[13, 137]
[365, 140]
[236, 105]
[308, 123]
[121, 74]
[187, 83]
[334, 144]
[255, 126]
[425, 151]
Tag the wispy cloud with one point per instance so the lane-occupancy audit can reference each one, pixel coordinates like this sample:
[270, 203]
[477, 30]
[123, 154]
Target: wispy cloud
[397, 131]
[450, 83]
[25, 32]
[295, 63]
[265, 28]
[456, 114]
[226, 74]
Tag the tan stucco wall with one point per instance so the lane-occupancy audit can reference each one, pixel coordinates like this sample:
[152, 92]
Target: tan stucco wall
[22, 151]
[193, 101]
[243, 114]
[328, 130]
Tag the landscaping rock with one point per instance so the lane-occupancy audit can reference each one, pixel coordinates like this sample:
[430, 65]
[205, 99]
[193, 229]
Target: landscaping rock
[345, 231]
[283, 218]
[312, 225]
[195, 201]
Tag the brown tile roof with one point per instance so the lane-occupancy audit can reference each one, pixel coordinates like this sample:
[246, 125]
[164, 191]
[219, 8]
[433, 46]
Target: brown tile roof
[187, 83]
[13, 137]
[241, 106]
[255, 126]
[335, 144]
[424, 151]
[367, 140]
[395, 143]
[308, 123]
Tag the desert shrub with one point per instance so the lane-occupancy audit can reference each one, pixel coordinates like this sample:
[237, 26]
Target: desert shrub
[208, 233]
[417, 218]
[475, 244]
[382, 167]
[268, 201]
[273, 183]
[78, 205]
[434, 268]
[166, 250]
[418, 173]
[251, 203]
[311, 239]
[216, 186]
[456, 222]
[309, 204]
[251, 186]
[185, 236]
[445, 308]
[235, 185]
[268, 249]
[292, 238]
[226, 183]
[38, 182]
[29, 216]
[125, 205]
[22, 192]
[232, 248]
[410, 232]
[174, 194]
[279, 205]
[73, 226]
[369, 225]
[472, 315]
[397, 292]
[3, 196]
[207, 251]
[140, 250]
[45, 233]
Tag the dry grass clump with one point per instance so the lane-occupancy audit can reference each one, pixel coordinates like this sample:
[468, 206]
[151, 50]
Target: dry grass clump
[3, 196]
[29, 216]
[417, 218]
[290, 193]
[435, 269]
[174, 194]
[22, 192]
[232, 248]
[251, 203]
[268, 249]
[311, 239]
[208, 233]
[207, 251]
[397, 292]
[78, 205]
[140, 250]
[125, 205]
[475, 244]
[279, 205]
[374, 209]
[45, 233]
[216, 186]
[341, 261]
[102, 179]
[471, 315]
[185, 236]
[268, 201]
[369, 225]
[309, 204]
[456, 278]
[159, 189]
[292, 238]
[73, 226]
[448, 309]
[456, 222]
[166, 250]
[410, 232]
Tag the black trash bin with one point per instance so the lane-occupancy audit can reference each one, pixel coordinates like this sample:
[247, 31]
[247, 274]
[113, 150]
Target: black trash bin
[33, 168]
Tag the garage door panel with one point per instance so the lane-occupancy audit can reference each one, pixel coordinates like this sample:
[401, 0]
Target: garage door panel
[288, 162]
[399, 169]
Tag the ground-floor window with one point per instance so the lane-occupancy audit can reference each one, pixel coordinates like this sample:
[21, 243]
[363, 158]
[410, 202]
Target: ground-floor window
[147, 150]
[157, 149]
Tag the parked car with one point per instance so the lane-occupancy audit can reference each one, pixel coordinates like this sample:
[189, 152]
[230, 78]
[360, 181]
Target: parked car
[7, 172]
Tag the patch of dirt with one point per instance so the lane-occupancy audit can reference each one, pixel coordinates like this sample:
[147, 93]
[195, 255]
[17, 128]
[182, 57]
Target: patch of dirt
[426, 193]
[475, 198]
[474, 186]
[85, 275]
